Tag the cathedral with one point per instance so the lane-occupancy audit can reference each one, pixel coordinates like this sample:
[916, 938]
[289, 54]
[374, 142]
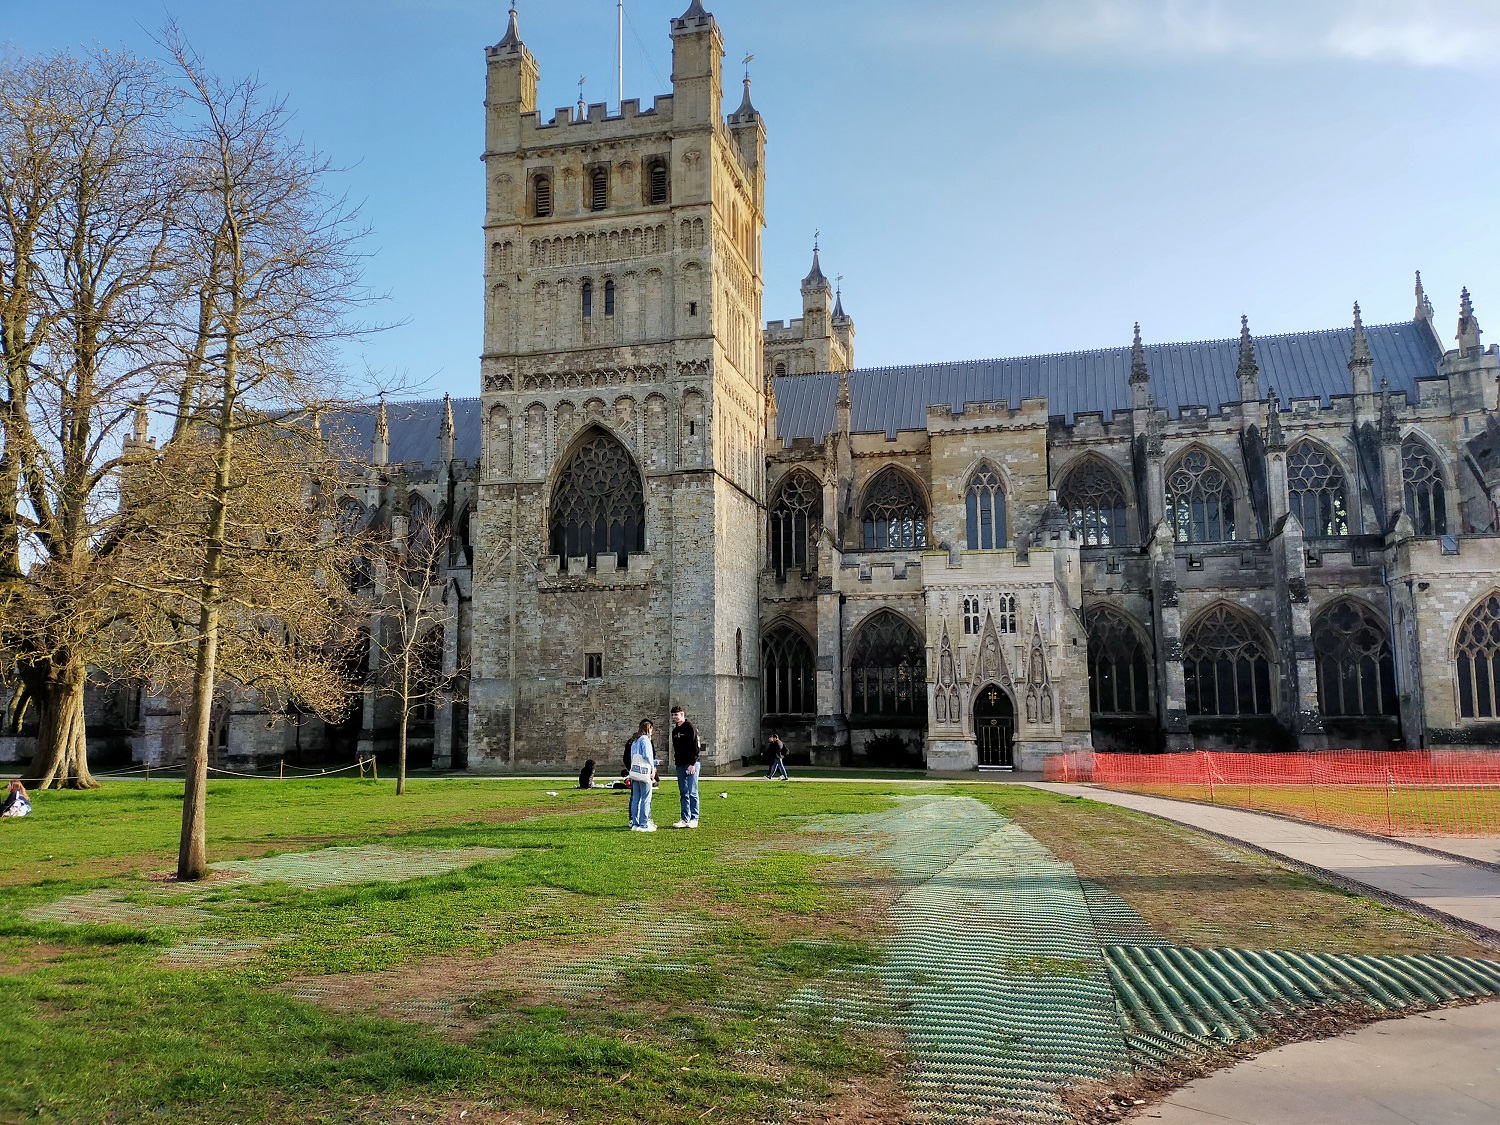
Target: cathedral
[660, 498]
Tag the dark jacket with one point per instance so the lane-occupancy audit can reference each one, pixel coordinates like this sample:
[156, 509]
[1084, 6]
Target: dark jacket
[685, 745]
[776, 748]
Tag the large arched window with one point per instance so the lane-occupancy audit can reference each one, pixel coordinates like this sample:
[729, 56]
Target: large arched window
[598, 504]
[1315, 491]
[888, 669]
[787, 666]
[1226, 667]
[1426, 502]
[894, 514]
[1095, 502]
[984, 506]
[1119, 672]
[1200, 499]
[795, 518]
[1478, 655]
[1356, 675]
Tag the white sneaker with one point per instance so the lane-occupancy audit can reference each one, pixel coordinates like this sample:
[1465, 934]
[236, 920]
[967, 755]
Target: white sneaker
[636, 828]
[682, 824]
[692, 824]
[649, 827]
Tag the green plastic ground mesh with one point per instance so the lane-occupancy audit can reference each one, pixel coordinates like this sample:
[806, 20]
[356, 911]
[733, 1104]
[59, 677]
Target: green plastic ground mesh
[996, 972]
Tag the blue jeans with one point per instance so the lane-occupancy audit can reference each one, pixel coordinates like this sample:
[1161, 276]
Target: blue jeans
[640, 804]
[687, 789]
[778, 765]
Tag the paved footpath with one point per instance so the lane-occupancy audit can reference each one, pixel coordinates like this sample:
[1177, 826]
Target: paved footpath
[1433, 1068]
[1460, 891]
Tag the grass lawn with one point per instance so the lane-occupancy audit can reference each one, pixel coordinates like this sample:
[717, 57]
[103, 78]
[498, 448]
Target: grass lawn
[542, 964]
[1400, 811]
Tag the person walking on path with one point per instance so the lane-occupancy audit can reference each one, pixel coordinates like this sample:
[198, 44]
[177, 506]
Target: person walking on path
[777, 750]
[642, 774]
[686, 748]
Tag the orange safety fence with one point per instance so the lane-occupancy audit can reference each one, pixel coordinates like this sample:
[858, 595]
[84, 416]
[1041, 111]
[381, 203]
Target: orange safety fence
[1399, 793]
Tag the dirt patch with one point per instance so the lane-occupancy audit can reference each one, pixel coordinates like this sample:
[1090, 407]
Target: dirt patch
[873, 1098]
[20, 959]
[1125, 1097]
[1196, 890]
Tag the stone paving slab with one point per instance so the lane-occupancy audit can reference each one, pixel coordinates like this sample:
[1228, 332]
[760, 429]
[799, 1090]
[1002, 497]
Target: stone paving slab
[1450, 887]
[1483, 848]
[1431, 1069]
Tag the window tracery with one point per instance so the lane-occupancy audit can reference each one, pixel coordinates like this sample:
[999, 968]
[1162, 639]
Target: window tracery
[598, 505]
[787, 671]
[1356, 673]
[985, 509]
[1096, 505]
[973, 617]
[1225, 666]
[888, 669]
[1315, 491]
[1119, 673]
[1200, 500]
[895, 515]
[796, 517]
[1426, 500]
[1478, 658]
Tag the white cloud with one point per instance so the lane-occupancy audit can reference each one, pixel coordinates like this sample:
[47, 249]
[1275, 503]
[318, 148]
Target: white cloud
[1423, 33]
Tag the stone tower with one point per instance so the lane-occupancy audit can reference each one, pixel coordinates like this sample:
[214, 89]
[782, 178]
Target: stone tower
[622, 487]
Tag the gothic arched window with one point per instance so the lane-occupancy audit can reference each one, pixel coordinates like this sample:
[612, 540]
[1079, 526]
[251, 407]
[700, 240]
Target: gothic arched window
[985, 509]
[888, 668]
[1225, 666]
[795, 519]
[1478, 655]
[598, 505]
[1356, 675]
[1118, 669]
[1426, 502]
[787, 670]
[895, 514]
[1095, 502]
[1315, 491]
[350, 517]
[1200, 500]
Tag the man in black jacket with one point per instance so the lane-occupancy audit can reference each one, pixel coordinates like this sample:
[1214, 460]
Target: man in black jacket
[685, 750]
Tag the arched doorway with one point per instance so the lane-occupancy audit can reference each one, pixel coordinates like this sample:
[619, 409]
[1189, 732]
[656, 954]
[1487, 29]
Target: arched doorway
[994, 727]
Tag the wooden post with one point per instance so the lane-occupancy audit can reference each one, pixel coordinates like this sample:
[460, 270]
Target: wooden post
[148, 769]
[375, 767]
[281, 768]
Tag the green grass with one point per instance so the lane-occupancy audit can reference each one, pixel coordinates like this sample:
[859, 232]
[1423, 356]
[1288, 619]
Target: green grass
[96, 1027]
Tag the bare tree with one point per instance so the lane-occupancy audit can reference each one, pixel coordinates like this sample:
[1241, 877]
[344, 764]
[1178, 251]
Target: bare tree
[271, 281]
[413, 611]
[87, 202]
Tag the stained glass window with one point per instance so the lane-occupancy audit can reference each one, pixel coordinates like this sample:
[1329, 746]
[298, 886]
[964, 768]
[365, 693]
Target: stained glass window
[985, 501]
[1315, 491]
[1095, 502]
[1426, 502]
[888, 668]
[787, 667]
[1356, 675]
[1119, 673]
[598, 506]
[1200, 500]
[1225, 666]
[796, 516]
[895, 515]
[1479, 662]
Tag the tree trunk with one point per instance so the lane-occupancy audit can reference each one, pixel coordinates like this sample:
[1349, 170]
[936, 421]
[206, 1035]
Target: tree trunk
[192, 851]
[401, 744]
[61, 760]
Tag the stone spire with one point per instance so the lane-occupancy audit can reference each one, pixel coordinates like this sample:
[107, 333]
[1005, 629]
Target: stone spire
[771, 411]
[1425, 310]
[838, 305]
[1248, 371]
[815, 277]
[382, 452]
[747, 111]
[1140, 374]
[512, 39]
[1468, 326]
[445, 434]
[140, 428]
[695, 11]
[843, 407]
[1275, 438]
[1361, 365]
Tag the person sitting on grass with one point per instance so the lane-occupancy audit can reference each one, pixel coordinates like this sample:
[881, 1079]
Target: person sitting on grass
[586, 775]
[621, 782]
[16, 802]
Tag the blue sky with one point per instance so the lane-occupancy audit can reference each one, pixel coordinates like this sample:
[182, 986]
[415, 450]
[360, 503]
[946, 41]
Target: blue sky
[992, 177]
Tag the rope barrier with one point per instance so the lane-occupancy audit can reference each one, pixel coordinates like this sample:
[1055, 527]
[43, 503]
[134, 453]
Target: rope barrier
[1391, 793]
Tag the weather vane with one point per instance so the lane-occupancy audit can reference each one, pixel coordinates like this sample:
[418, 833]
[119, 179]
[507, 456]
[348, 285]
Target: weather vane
[748, 60]
[816, 235]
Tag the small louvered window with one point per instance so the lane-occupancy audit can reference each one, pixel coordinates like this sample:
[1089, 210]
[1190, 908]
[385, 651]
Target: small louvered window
[599, 190]
[609, 298]
[658, 182]
[543, 197]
